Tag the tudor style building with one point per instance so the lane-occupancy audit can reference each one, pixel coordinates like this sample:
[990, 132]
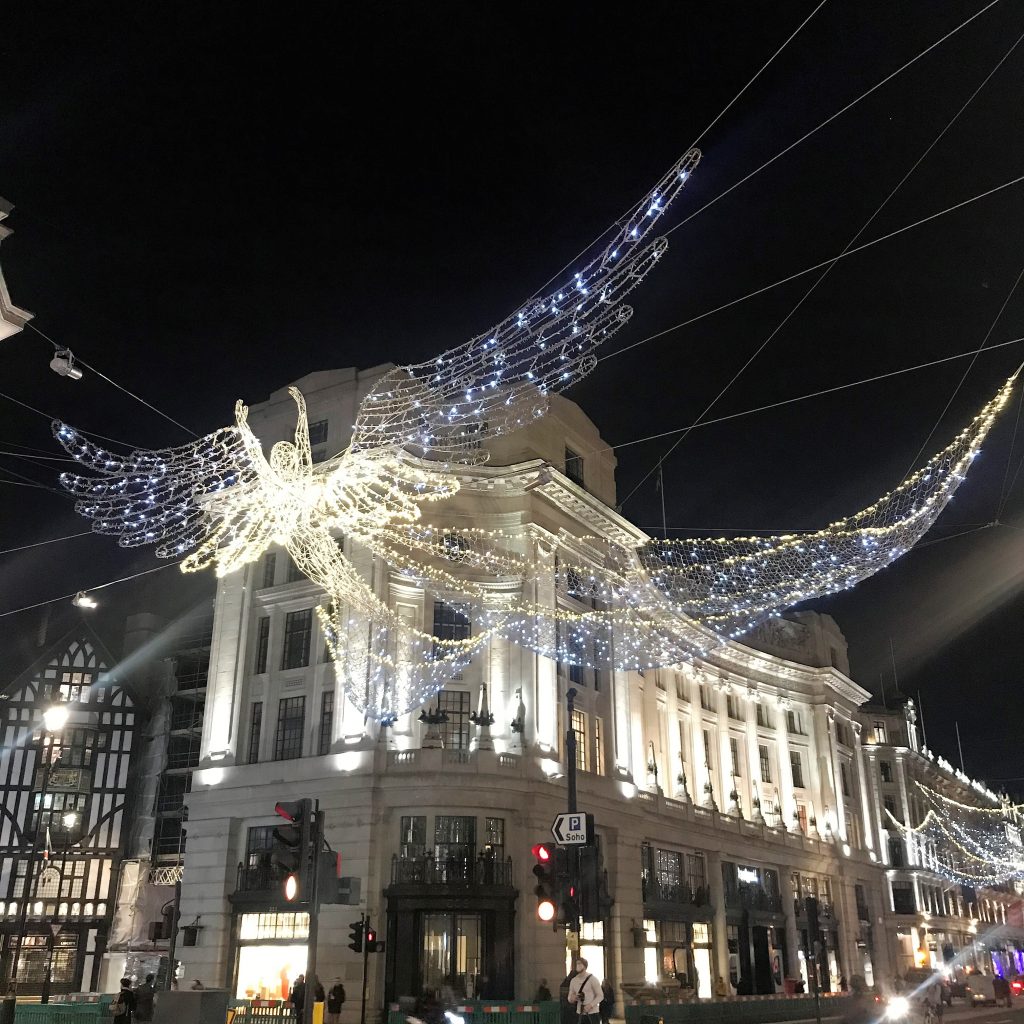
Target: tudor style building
[726, 792]
[66, 813]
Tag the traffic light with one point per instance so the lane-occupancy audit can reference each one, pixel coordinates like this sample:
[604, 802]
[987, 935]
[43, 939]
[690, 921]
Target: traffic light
[292, 848]
[356, 931]
[373, 944]
[594, 899]
[548, 883]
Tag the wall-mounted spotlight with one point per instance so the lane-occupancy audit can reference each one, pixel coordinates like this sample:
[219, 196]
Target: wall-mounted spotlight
[63, 362]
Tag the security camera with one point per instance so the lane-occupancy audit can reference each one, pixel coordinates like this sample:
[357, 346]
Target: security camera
[63, 362]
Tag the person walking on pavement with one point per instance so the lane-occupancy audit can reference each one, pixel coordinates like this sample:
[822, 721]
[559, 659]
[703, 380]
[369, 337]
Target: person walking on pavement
[607, 1001]
[567, 1011]
[123, 1006]
[543, 992]
[335, 1001]
[585, 993]
[144, 1000]
[297, 997]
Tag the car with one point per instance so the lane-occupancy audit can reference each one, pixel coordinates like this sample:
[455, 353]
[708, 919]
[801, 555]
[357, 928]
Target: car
[980, 989]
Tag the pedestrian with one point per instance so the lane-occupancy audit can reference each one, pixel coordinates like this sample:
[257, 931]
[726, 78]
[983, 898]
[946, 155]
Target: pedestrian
[144, 999]
[543, 992]
[318, 990]
[197, 985]
[607, 1003]
[585, 993]
[567, 1012]
[123, 1006]
[335, 1001]
[297, 996]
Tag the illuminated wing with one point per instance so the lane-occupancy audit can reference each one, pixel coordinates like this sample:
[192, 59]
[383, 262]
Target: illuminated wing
[166, 497]
[732, 585]
[500, 379]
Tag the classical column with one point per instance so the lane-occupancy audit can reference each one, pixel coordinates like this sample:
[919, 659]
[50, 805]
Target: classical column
[721, 938]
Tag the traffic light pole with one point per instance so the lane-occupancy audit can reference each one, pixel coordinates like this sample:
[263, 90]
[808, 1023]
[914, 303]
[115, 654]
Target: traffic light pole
[572, 855]
[316, 841]
[366, 963]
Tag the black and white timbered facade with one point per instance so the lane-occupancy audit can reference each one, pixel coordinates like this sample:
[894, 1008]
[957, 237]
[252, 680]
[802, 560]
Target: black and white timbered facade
[68, 796]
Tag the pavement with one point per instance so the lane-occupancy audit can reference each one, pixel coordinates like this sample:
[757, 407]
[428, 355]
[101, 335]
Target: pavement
[988, 1014]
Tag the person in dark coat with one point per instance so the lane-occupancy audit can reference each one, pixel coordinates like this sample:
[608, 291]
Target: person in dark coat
[297, 996]
[144, 1000]
[123, 1006]
[335, 1001]
[607, 1003]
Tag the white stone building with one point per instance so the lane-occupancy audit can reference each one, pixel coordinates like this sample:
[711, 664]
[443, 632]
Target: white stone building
[704, 882]
[12, 319]
[935, 922]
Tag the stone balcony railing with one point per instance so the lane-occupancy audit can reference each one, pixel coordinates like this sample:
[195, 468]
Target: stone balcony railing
[460, 873]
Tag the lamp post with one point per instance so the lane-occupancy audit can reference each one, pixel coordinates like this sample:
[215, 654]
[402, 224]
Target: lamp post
[54, 720]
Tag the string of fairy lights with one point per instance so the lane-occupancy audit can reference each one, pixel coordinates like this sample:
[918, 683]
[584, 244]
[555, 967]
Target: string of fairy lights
[585, 600]
[966, 843]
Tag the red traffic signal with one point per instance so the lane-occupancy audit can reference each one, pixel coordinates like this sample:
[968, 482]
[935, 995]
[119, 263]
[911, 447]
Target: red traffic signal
[542, 852]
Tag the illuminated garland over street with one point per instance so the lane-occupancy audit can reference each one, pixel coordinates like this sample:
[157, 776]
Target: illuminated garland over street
[219, 501]
[966, 843]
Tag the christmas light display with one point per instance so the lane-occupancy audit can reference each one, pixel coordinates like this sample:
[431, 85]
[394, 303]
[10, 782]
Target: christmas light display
[966, 843]
[582, 600]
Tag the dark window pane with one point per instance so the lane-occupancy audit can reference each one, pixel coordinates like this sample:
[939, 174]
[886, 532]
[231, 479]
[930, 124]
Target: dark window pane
[269, 568]
[455, 732]
[291, 721]
[298, 627]
[326, 719]
[255, 729]
[262, 644]
[318, 432]
[574, 466]
[413, 837]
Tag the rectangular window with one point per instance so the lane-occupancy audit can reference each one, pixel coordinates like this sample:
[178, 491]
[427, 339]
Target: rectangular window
[494, 837]
[889, 802]
[801, 815]
[598, 747]
[318, 433]
[707, 699]
[793, 723]
[681, 691]
[709, 759]
[291, 723]
[670, 873]
[878, 733]
[696, 875]
[413, 837]
[454, 732]
[454, 839]
[259, 843]
[255, 731]
[797, 766]
[298, 629]
[885, 770]
[262, 644]
[294, 572]
[574, 466]
[843, 734]
[764, 717]
[732, 706]
[579, 728]
[269, 568]
[766, 762]
[734, 751]
[844, 775]
[451, 623]
[326, 721]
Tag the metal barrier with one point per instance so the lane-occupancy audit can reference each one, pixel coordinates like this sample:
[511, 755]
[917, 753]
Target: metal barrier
[738, 1010]
[491, 1011]
[63, 1012]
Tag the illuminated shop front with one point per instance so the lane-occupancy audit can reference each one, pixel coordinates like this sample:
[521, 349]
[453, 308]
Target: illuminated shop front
[271, 954]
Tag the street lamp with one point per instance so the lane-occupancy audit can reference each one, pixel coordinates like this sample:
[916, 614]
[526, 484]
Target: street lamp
[54, 720]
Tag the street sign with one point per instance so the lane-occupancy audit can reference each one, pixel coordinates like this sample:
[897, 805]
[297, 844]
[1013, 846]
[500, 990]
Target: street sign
[575, 828]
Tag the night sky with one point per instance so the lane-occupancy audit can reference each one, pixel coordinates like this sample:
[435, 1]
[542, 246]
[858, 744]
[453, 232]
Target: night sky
[215, 199]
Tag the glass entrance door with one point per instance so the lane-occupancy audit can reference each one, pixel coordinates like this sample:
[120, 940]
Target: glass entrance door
[451, 954]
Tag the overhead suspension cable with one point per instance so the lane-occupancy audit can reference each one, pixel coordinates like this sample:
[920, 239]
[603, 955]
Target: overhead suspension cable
[830, 119]
[810, 270]
[697, 140]
[806, 397]
[41, 543]
[821, 277]
[99, 586]
[103, 376]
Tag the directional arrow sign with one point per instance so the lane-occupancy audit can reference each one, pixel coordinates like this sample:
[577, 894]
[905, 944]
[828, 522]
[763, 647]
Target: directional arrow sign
[573, 829]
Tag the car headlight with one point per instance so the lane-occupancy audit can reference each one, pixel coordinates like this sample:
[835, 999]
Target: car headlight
[898, 1007]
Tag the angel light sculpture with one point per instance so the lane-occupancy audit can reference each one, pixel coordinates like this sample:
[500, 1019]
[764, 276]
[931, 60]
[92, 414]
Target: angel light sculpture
[218, 501]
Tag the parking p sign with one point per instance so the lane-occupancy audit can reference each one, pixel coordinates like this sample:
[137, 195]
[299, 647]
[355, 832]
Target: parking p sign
[575, 828]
